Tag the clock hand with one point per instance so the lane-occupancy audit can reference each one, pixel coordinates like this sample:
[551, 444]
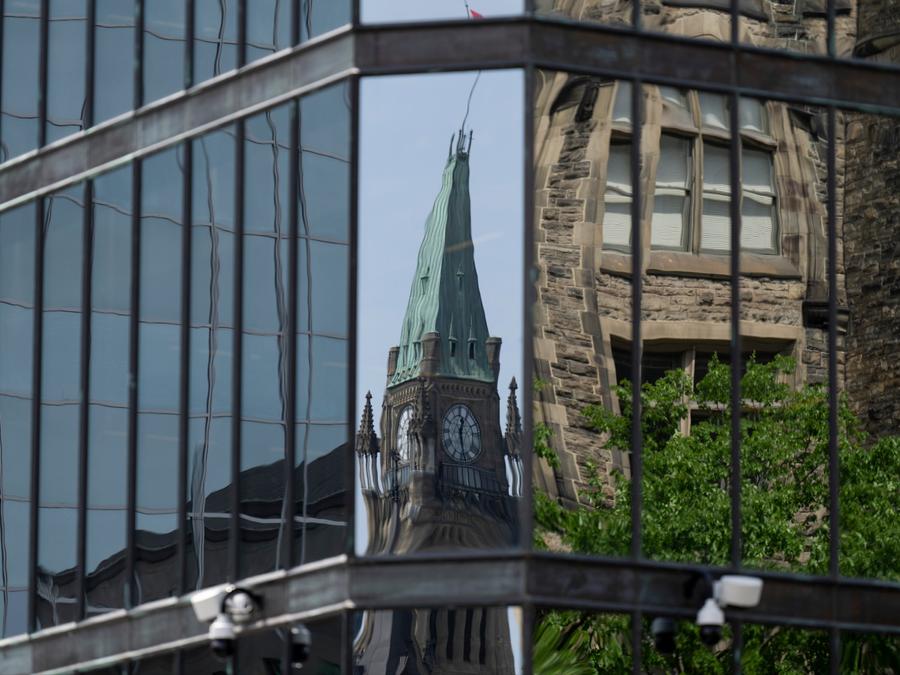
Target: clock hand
[461, 445]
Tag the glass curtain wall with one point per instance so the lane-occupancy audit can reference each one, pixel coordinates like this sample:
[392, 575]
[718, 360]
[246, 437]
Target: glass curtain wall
[97, 51]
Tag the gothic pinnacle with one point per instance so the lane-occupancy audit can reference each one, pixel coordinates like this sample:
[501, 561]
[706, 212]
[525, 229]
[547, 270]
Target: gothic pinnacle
[366, 440]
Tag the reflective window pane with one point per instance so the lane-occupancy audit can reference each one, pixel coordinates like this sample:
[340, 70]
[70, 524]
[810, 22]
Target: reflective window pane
[164, 45]
[20, 77]
[465, 639]
[159, 362]
[113, 60]
[439, 294]
[215, 38]
[67, 40]
[210, 401]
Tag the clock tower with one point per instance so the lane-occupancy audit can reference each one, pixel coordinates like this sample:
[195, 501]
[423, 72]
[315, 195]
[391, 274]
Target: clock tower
[442, 475]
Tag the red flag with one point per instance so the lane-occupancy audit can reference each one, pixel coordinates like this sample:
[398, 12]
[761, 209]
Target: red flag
[476, 15]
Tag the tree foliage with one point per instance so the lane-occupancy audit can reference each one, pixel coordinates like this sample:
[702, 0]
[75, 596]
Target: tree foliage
[784, 503]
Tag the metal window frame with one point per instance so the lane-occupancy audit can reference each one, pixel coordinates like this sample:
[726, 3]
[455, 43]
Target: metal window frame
[632, 585]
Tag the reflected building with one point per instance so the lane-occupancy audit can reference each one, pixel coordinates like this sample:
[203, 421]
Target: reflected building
[583, 182]
[443, 476]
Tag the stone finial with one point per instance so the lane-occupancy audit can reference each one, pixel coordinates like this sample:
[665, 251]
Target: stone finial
[513, 421]
[492, 351]
[430, 363]
[366, 439]
[393, 355]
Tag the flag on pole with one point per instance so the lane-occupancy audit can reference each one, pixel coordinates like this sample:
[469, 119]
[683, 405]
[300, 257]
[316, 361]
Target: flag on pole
[475, 15]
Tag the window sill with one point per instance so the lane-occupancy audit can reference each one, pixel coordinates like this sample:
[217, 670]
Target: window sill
[704, 265]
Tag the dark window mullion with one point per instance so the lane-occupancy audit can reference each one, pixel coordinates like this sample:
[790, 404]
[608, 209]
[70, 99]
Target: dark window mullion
[42, 74]
[184, 366]
[84, 410]
[90, 55]
[834, 533]
[290, 459]
[237, 363]
[138, 57]
[636, 292]
[189, 33]
[37, 365]
[134, 329]
[734, 205]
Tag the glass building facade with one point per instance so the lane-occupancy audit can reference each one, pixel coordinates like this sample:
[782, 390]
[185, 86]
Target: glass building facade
[424, 325]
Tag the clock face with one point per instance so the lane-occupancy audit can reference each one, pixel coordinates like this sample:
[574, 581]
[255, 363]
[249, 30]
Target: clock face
[461, 434]
[403, 440]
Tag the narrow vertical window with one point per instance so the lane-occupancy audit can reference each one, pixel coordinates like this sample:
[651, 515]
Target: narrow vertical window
[617, 199]
[672, 195]
[716, 223]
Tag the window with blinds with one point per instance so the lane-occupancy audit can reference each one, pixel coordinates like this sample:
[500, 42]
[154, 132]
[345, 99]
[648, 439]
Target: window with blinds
[671, 198]
[617, 199]
[715, 222]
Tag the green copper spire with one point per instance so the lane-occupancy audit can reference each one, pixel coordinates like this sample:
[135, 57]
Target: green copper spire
[444, 297]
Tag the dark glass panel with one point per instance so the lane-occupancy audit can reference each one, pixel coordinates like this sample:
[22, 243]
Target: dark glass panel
[157, 506]
[215, 38]
[63, 250]
[265, 283]
[107, 516]
[16, 325]
[109, 359]
[329, 358]
[164, 45]
[17, 255]
[66, 53]
[265, 380]
[212, 304]
[105, 559]
[111, 287]
[325, 163]
[161, 237]
[158, 382]
[262, 497]
[159, 366]
[321, 524]
[325, 121]
[320, 16]
[113, 59]
[268, 27]
[324, 196]
[266, 171]
[21, 59]
[15, 525]
[209, 495]
[15, 446]
[17, 229]
[477, 640]
[61, 394]
[15, 615]
[330, 276]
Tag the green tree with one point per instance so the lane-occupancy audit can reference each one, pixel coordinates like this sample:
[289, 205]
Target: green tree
[784, 496]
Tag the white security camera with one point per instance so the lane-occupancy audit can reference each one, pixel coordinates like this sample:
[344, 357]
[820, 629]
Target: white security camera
[731, 590]
[221, 636]
[734, 590]
[710, 619]
[208, 603]
[224, 606]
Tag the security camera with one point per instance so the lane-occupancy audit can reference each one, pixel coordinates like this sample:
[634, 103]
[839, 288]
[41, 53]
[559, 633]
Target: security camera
[663, 631]
[733, 590]
[221, 636]
[301, 642]
[207, 604]
[710, 619]
[225, 606]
